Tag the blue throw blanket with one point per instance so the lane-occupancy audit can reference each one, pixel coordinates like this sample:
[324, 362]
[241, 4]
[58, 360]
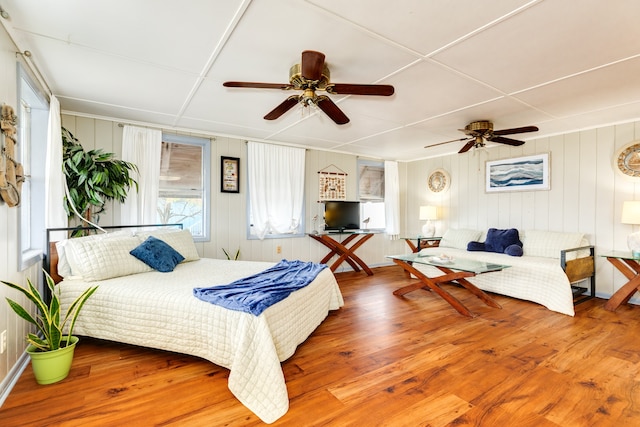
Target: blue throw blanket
[256, 293]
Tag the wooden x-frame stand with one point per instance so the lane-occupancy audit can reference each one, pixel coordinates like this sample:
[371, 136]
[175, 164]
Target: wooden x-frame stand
[346, 253]
[433, 284]
[631, 270]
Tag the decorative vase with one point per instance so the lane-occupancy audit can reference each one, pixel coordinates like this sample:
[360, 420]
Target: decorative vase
[633, 241]
[52, 366]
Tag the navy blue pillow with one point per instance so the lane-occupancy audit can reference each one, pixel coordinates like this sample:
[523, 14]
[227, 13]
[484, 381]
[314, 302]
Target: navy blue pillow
[514, 250]
[498, 240]
[157, 255]
[476, 246]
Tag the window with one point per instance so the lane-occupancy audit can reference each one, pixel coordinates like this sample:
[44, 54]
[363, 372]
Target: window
[33, 119]
[371, 194]
[275, 176]
[183, 194]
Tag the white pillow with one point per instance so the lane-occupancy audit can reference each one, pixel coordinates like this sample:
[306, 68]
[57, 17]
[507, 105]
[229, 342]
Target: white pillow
[100, 259]
[64, 270]
[548, 243]
[459, 238]
[180, 240]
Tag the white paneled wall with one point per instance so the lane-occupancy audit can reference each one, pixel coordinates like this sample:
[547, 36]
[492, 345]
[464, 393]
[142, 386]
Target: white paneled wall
[586, 193]
[9, 229]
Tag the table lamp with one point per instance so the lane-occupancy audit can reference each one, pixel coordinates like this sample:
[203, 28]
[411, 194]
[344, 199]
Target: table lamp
[631, 215]
[428, 214]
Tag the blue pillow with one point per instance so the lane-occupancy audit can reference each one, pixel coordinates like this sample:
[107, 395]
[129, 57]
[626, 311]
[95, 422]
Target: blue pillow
[514, 250]
[499, 240]
[476, 246]
[157, 255]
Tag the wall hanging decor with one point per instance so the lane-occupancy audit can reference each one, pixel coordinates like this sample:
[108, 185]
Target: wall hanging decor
[518, 174]
[333, 184]
[230, 174]
[11, 172]
[627, 160]
[439, 181]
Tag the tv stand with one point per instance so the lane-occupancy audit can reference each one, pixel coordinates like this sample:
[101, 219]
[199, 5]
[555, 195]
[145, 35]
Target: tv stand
[346, 253]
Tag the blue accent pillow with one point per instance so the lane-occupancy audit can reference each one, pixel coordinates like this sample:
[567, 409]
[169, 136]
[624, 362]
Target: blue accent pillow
[514, 250]
[157, 255]
[476, 246]
[498, 240]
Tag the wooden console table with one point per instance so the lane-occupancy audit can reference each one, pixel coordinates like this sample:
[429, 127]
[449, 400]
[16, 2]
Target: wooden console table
[344, 252]
[629, 266]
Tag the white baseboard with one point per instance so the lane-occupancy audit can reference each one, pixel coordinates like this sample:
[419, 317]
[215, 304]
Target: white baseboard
[12, 377]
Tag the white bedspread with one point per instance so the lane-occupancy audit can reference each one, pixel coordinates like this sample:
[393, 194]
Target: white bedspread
[531, 278]
[159, 310]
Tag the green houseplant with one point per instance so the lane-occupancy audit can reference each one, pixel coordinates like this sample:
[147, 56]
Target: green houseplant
[93, 177]
[51, 344]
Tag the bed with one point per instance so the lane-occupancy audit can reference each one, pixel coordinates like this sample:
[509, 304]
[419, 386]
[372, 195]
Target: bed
[145, 307]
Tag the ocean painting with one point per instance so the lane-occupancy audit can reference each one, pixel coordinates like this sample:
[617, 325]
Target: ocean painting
[523, 173]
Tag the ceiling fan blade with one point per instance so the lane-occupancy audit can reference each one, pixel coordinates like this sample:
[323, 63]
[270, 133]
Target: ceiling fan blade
[258, 85]
[312, 65]
[516, 130]
[331, 109]
[446, 142]
[503, 140]
[285, 106]
[467, 146]
[357, 89]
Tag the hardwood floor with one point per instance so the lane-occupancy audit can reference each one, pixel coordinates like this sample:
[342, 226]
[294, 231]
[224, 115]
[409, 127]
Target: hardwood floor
[380, 360]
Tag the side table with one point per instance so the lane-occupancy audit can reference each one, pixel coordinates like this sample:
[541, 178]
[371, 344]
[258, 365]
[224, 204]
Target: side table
[629, 266]
[422, 242]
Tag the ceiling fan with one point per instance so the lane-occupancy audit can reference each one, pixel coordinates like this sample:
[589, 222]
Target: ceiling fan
[311, 75]
[482, 130]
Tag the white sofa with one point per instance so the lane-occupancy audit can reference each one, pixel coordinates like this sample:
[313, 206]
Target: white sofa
[550, 263]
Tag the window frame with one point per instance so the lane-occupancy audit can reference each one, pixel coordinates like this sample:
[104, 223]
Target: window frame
[205, 143]
[31, 245]
[359, 165]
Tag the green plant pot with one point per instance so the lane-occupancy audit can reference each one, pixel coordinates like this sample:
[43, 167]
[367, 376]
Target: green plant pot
[52, 366]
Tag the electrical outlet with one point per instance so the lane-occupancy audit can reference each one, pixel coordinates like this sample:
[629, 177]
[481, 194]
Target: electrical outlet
[3, 341]
[278, 249]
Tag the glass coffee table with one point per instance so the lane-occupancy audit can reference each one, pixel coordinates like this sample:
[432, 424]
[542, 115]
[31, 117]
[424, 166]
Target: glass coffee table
[454, 270]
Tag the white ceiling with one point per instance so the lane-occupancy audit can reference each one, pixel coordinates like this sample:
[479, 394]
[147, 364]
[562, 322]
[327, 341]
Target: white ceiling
[561, 65]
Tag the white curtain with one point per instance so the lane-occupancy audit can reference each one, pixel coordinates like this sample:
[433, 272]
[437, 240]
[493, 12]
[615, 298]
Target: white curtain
[276, 187]
[142, 147]
[56, 216]
[392, 199]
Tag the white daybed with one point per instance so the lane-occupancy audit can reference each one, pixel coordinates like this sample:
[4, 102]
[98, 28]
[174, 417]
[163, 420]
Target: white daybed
[158, 310]
[551, 263]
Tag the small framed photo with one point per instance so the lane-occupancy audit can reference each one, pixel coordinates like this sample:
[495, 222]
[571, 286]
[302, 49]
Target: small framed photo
[229, 174]
[518, 174]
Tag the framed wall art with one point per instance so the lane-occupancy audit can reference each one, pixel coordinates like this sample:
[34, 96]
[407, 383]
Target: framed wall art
[230, 174]
[518, 174]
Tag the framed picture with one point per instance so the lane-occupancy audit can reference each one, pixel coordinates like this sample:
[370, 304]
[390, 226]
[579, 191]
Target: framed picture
[229, 174]
[518, 174]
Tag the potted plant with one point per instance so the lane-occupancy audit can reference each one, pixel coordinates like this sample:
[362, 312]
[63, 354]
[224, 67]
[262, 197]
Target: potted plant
[93, 177]
[51, 352]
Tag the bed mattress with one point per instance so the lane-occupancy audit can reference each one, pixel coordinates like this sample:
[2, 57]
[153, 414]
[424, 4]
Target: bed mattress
[159, 310]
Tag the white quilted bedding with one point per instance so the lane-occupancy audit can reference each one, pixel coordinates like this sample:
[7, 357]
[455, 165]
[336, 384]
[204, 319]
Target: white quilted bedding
[531, 278]
[158, 310]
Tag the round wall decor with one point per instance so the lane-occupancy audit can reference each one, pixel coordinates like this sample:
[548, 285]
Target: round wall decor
[438, 181]
[627, 160]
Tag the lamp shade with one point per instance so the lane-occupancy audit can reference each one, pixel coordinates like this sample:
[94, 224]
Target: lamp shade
[630, 212]
[430, 213]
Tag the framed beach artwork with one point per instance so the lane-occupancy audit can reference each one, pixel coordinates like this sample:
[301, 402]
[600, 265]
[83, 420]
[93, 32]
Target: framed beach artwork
[518, 174]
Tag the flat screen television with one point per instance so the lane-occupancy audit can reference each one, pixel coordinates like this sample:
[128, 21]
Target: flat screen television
[341, 215]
